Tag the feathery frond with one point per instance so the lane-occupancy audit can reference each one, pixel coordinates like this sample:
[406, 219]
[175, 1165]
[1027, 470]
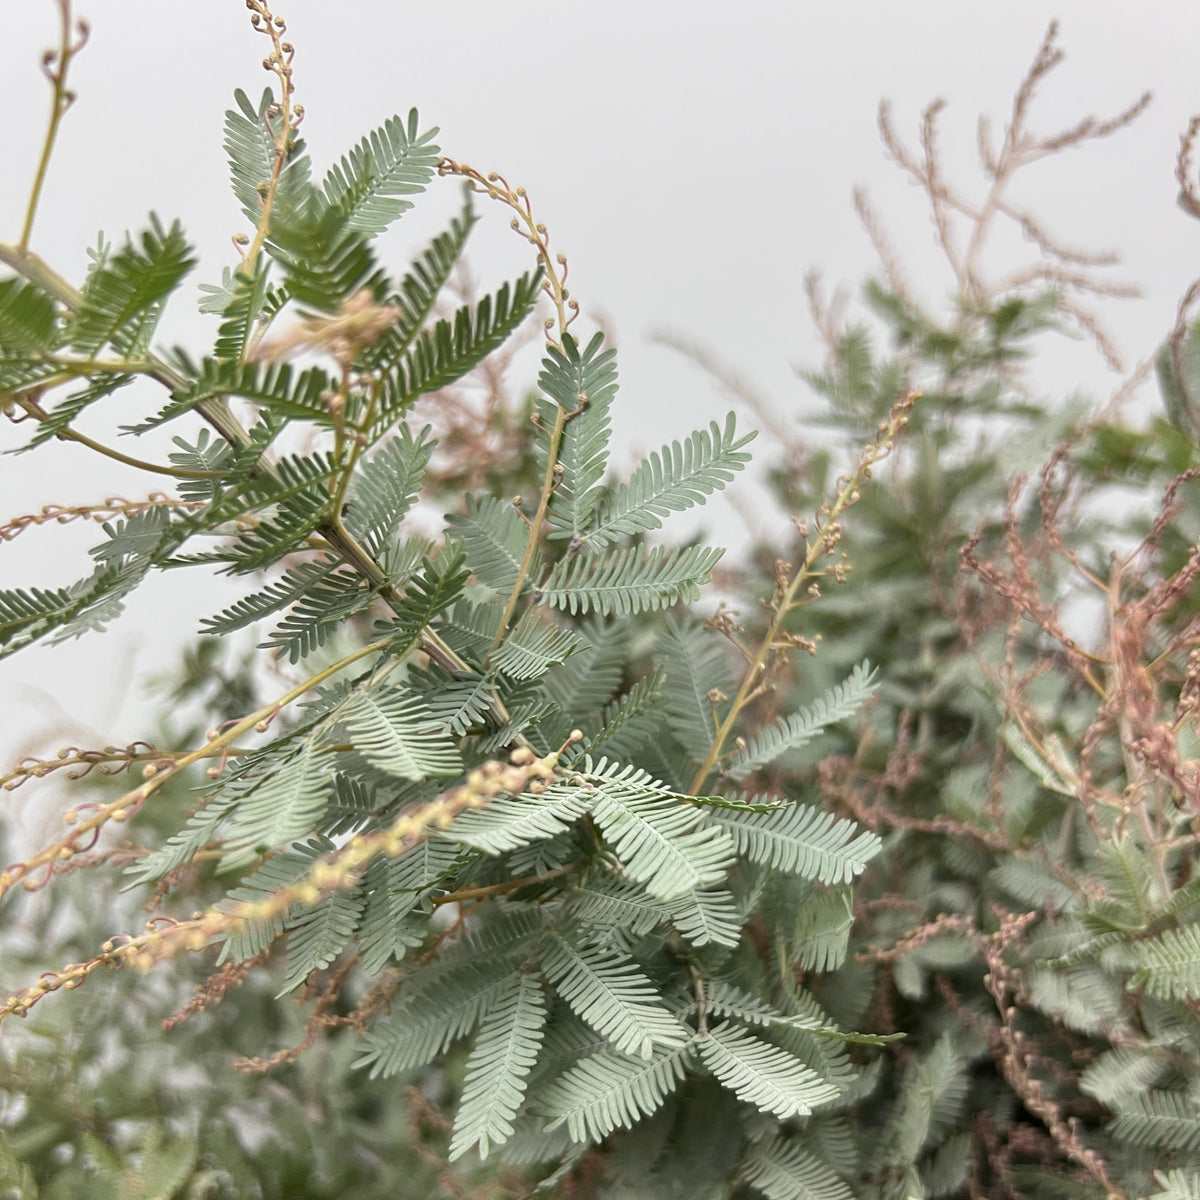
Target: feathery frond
[417, 294]
[440, 356]
[385, 488]
[673, 479]
[533, 646]
[1159, 1119]
[506, 1049]
[28, 323]
[367, 188]
[277, 388]
[822, 933]
[608, 991]
[251, 137]
[801, 840]
[707, 916]
[1177, 1185]
[493, 537]
[427, 1020]
[456, 704]
[626, 723]
[319, 933]
[611, 904]
[610, 1090]
[396, 733]
[1169, 965]
[762, 1074]
[586, 680]
[696, 667]
[123, 300]
[512, 821]
[790, 733]
[664, 843]
[284, 805]
[781, 1170]
[582, 383]
[630, 580]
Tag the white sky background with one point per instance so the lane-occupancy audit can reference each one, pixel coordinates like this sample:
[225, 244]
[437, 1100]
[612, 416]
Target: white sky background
[692, 159]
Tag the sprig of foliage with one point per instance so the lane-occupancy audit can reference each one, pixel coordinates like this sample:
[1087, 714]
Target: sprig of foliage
[473, 728]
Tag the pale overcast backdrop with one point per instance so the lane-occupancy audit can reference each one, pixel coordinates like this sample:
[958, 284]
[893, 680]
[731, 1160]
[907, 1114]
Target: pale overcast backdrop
[693, 160]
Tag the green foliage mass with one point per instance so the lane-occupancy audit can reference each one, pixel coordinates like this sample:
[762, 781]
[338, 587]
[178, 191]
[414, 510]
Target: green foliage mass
[530, 875]
[467, 834]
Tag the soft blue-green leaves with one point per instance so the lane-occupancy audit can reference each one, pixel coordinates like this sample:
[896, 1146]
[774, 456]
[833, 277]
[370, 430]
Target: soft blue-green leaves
[1177, 1185]
[790, 733]
[630, 580]
[386, 487]
[123, 299]
[610, 1090]
[1169, 965]
[396, 733]
[763, 1074]
[533, 646]
[251, 141]
[801, 840]
[781, 1170]
[673, 479]
[368, 187]
[28, 322]
[506, 1049]
[665, 843]
[696, 667]
[608, 991]
[493, 537]
[512, 821]
[283, 805]
[581, 384]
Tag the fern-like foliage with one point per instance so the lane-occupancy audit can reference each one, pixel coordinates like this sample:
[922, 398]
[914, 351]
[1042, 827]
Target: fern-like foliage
[607, 990]
[1159, 1119]
[801, 840]
[493, 537]
[762, 1074]
[465, 797]
[28, 324]
[123, 299]
[386, 487]
[1177, 1185]
[610, 1090]
[663, 843]
[1169, 966]
[629, 581]
[533, 646]
[790, 733]
[505, 1052]
[368, 187]
[252, 134]
[440, 356]
[673, 479]
[786, 1171]
[396, 733]
[581, 384]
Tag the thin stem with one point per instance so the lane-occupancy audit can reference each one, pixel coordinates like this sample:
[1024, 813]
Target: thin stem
[279, 62]
[62, 100]
[535, 527]
[701, 1000]
[124, 807]
[72, 435]
[510, 885]
[215, 412]
[496, 187]
[820, 546]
